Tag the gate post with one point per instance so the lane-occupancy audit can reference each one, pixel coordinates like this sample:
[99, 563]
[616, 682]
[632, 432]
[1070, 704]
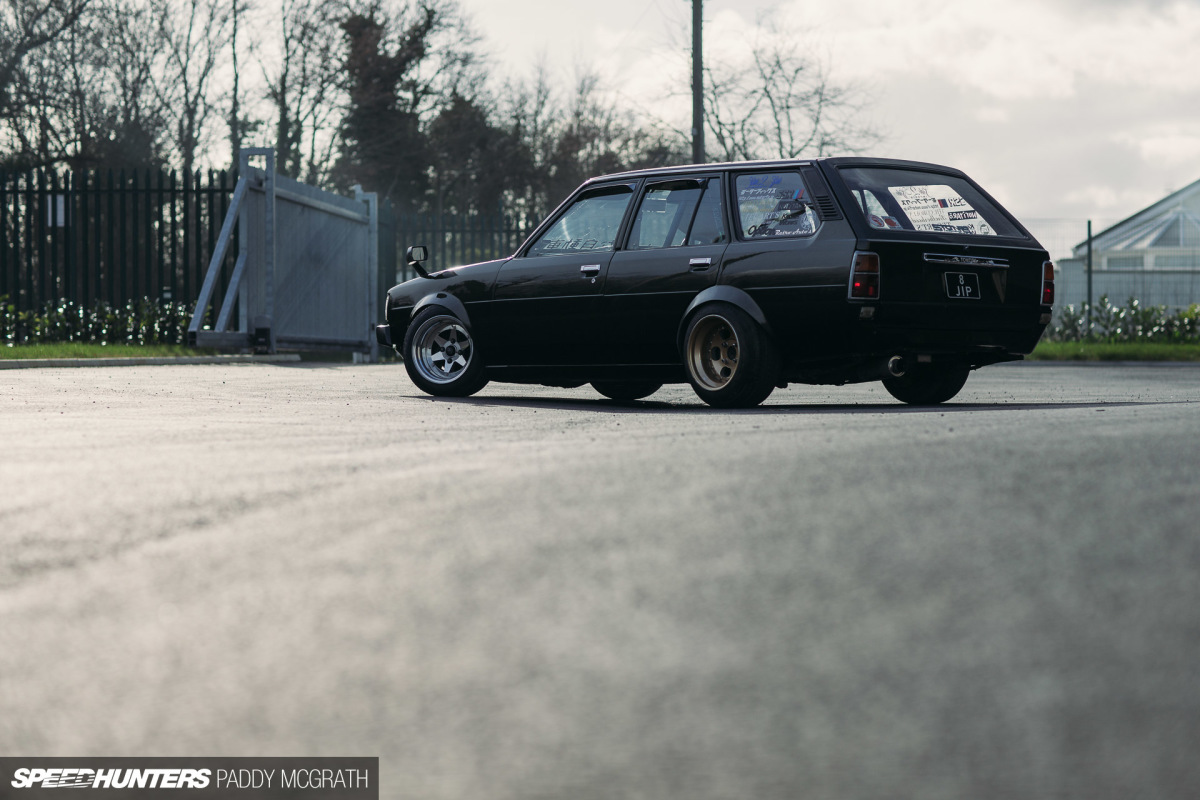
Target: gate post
[372, 201]
[262, 327]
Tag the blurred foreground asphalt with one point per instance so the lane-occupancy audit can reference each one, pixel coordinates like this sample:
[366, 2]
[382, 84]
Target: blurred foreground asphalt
[538, 594]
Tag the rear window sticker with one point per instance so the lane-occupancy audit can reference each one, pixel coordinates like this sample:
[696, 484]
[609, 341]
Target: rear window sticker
[939, 208]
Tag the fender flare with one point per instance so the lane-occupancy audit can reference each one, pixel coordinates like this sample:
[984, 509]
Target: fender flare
[446, 301]
[722, 294]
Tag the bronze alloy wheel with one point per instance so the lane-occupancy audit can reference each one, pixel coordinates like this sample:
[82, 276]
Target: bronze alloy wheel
[730, 359]
[713, 351]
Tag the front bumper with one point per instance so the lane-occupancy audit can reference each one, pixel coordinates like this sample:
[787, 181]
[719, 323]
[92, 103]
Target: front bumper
[383, 335]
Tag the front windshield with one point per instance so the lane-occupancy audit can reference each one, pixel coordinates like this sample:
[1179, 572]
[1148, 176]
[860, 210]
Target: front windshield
[910, 200]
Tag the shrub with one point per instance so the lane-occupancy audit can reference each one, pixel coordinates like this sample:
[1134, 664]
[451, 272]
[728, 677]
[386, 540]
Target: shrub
[1132, 322]
[143, 321]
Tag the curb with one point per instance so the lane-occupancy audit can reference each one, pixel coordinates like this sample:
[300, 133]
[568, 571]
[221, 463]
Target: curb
[1081, 363]
[31, 363]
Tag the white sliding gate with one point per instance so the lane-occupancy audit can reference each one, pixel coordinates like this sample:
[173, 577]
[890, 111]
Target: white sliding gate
[307, 272]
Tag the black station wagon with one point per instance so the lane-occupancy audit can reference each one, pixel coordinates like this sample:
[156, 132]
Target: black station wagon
[739, 278]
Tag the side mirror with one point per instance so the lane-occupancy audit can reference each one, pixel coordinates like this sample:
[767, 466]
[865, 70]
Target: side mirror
[415, 255]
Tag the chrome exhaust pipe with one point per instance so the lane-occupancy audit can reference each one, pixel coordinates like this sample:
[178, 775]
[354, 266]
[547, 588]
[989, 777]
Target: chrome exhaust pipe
[896, 366]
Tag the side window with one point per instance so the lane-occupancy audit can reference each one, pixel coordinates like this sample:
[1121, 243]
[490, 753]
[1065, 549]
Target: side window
[677, 213]
[665, 214]
[774, 204]
[589, 225]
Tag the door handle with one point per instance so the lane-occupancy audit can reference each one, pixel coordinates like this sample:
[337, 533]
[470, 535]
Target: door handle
[699, 264]
[589, 270]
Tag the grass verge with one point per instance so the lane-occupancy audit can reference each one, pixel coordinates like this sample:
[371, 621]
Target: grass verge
[1118, 351]
[1046, 351]
[82, 350]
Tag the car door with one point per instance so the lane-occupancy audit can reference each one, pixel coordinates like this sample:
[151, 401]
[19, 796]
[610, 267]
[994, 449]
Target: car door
[676, 241]
[545, 301]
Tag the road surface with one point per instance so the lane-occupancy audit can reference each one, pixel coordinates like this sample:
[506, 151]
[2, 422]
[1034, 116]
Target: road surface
[535, 593]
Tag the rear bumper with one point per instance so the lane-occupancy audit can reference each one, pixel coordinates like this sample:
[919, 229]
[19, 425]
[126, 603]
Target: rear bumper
[964, 328]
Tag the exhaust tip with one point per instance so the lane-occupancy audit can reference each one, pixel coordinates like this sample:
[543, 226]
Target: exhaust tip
[896, 366]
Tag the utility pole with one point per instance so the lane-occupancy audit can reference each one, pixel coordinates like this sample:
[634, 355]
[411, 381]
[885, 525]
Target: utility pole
[697, 82]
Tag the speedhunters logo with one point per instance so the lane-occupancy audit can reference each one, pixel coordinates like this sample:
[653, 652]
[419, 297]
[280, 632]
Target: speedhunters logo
[244, 778]
[84, 778]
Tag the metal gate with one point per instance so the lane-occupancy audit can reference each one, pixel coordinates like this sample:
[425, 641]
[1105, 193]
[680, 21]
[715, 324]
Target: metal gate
[307, 271]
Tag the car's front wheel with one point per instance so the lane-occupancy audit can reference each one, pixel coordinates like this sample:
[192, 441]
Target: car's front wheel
[440, 355]
[927, 385]
[730, 360]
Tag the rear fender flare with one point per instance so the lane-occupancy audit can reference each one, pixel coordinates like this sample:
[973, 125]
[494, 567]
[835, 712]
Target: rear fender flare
[722, 294]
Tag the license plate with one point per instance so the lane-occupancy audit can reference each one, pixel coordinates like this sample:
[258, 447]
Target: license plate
[962, 285]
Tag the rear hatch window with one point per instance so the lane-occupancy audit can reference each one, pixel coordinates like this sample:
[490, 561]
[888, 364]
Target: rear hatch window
[911, 200]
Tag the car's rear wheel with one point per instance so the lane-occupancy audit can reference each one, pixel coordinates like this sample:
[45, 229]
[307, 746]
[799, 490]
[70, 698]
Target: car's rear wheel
[625, 391]
[730, 361]
[440, 355]
[927, 385]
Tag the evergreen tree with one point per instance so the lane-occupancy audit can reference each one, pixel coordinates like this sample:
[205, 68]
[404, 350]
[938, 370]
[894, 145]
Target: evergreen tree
[383, 146]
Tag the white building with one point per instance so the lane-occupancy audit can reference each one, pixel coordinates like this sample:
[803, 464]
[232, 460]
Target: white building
[1153, 256]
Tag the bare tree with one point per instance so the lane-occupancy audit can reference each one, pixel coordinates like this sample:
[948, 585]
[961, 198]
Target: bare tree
[527, 112]
[194, 34]
[131, 48]
[85, 97]
[26, 26]
[556, 142]
[303, 76]
[238, 125]
[783, 104]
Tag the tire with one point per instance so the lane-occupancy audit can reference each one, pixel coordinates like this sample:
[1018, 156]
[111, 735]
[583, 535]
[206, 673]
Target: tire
[625, 391]
[729, 359]
[440, 355]
[927, 385]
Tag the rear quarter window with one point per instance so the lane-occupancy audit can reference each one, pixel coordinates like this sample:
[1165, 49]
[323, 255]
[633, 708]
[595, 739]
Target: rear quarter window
[774, 204]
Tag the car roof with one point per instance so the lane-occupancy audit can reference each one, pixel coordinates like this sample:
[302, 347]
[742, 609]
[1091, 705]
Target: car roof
[839, 161]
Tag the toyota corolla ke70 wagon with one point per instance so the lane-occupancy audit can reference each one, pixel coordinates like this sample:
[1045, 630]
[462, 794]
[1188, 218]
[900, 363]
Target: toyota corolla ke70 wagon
[738, 279]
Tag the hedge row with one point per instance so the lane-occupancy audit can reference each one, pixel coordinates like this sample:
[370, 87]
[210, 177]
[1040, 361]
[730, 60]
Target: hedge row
[164, 322]
[1132, 322]
[137, 322]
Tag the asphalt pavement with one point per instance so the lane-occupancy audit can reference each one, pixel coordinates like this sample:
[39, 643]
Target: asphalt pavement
[536, 593]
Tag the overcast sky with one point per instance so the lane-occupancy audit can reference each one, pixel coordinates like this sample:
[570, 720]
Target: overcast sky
[1060, 108]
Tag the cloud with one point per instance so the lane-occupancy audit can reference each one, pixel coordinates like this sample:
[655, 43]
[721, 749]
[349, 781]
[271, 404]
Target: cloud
[1165, 145]
[1060, 108]
[992, 114]
[1110, 200]
[1015, 49]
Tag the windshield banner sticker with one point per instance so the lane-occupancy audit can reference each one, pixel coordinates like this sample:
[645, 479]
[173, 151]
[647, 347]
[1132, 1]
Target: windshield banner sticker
[939, 208]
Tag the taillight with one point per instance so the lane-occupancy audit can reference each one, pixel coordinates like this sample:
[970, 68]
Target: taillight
[1047, 283]
[864, 276]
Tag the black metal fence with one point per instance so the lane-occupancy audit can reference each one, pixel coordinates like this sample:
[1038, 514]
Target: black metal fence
[455, 240]
[108, 236]
[119, 236]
